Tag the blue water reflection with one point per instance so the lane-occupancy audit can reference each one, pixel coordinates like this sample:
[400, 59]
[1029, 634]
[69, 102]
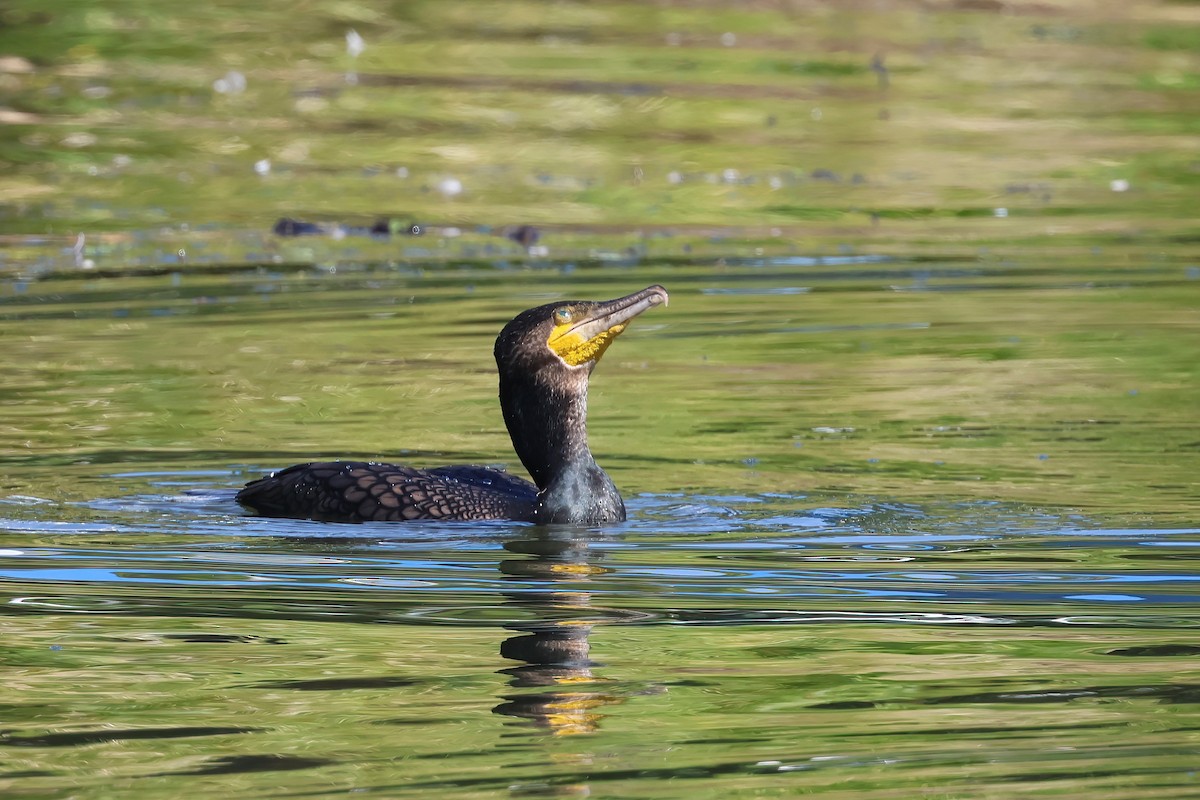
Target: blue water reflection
[748, 553]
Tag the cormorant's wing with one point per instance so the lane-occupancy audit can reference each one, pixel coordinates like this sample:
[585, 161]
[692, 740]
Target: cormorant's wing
[358, 491]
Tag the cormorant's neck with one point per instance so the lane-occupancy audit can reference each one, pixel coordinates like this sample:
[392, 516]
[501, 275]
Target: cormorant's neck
[547, 421]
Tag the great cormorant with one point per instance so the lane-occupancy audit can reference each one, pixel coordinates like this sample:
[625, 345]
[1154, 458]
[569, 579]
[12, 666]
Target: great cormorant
[545, 357]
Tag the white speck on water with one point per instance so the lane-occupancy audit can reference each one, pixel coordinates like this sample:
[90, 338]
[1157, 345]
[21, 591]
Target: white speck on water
[233, 82]
[355, 44]
[401, 172]
[262, 166]
[1000, 213]
[1119, 185]
[77, 251]
[450, 187]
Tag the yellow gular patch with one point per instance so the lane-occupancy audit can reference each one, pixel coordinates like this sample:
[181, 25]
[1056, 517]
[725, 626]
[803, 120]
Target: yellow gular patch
[574, 349]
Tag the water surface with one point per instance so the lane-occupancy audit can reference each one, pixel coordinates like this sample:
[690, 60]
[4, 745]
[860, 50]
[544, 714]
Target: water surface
[808, 595]
[910, 458]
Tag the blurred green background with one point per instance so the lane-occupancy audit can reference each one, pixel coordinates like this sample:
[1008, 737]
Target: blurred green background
[881, 122]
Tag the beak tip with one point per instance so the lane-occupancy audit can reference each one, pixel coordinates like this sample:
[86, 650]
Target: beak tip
[658, 295]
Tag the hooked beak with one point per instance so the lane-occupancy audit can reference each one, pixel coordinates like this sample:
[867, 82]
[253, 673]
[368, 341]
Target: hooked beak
[581, 340]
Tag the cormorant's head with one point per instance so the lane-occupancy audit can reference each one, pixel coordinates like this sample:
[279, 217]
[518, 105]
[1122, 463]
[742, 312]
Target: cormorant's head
[569, 336]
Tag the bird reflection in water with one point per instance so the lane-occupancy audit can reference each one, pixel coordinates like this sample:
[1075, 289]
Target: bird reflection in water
[554, 644]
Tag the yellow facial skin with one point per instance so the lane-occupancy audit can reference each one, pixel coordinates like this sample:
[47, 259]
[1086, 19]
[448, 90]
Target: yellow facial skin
[570, 342]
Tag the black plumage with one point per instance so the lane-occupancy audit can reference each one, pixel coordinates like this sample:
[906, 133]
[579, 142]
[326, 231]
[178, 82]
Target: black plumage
[545, 357]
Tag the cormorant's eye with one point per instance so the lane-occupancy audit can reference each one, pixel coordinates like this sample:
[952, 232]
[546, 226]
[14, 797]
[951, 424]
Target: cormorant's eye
[562, 316]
